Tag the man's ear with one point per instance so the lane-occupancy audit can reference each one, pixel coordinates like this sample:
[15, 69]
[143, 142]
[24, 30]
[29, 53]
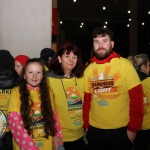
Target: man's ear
[112, 44]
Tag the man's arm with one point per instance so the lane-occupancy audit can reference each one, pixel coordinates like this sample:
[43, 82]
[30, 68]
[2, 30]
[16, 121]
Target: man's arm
[86, 109]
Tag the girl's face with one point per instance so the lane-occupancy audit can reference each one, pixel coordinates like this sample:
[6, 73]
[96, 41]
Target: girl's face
[34, 74]
[68, 61]
[18, 67]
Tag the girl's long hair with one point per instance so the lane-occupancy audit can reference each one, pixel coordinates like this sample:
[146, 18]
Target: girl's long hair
[27, 103]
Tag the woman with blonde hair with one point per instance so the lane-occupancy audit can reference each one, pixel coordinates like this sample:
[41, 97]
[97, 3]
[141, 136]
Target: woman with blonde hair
[141, 64]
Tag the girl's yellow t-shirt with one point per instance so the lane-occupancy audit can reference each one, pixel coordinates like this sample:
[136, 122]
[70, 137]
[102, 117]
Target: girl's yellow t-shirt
[38, 132]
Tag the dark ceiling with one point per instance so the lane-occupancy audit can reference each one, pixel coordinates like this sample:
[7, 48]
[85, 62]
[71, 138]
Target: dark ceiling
[91, 13]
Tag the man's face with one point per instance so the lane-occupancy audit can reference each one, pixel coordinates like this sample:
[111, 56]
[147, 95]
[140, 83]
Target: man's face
[102, 46]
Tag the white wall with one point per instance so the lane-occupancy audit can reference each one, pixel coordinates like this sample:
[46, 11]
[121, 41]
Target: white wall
[25, 26]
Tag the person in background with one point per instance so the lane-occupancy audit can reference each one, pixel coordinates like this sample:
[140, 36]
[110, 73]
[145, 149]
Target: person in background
[67, 91]
[141, 64]
[46, 55]
[130, 58]
[8, 77]
[20, 61]
[31, 118]
[113, 99]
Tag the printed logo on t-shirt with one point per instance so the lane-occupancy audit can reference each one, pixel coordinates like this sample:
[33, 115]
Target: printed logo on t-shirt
[38, 122]
[146, 103]
[4, 98]
[103, 86]
[36, 113]
[74, 102]
[3, 124]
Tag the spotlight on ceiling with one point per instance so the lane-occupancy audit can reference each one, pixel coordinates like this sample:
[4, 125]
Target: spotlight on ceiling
[74, 0]
[129, 11]
[129, 19]
[104, 8]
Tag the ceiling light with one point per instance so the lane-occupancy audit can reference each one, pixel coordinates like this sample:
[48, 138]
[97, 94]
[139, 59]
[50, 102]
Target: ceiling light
[129, 19]
[104, 26]
[80, 26]
[61, 22]
[74, 0]
[143, 23]
[104, 8]
[148, 12]
[82, 23]
[129, 11]
[128, 25]
[106, 22]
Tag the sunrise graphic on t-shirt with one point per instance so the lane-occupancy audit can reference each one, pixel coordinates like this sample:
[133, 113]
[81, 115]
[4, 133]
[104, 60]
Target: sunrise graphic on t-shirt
[73, 97]
[36, 112]
[103, 84]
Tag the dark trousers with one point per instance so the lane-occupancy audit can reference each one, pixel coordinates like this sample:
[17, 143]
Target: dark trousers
[75, 145]
[142, 140]
[108, 139]
[6, 142]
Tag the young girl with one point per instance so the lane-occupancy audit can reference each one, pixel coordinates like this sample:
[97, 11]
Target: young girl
[31, 119]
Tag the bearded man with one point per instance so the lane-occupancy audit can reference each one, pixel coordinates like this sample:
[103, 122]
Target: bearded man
[113, 99]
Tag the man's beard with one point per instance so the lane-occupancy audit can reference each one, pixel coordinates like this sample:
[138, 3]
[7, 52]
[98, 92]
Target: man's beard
[99, 56]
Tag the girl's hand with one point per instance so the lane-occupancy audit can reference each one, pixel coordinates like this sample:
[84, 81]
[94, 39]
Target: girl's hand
[56, 141]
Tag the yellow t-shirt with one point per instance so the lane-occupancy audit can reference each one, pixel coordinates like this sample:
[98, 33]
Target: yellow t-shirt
[38, 132]
[146, 119]
[67, 96]
[109, 84]
[4, 101]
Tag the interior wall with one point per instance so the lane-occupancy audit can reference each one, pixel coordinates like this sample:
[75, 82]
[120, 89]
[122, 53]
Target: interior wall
[25, 26]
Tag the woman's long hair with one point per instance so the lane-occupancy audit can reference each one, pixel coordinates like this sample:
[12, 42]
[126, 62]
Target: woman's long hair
[27, 103]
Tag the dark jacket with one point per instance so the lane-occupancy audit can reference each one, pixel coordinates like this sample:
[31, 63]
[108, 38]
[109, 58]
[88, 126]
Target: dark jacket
[142, 75]
[8, 77]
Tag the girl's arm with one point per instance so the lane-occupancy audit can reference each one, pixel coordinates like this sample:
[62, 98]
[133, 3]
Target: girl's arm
[20, 134]
[57, 139]
[57, 125]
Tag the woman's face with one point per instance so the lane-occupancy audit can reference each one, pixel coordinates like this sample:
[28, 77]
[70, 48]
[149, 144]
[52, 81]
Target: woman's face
[146, 68]
[68, 61]
[18, 67]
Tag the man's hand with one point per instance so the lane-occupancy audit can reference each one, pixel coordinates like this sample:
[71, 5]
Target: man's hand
[131, 135]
